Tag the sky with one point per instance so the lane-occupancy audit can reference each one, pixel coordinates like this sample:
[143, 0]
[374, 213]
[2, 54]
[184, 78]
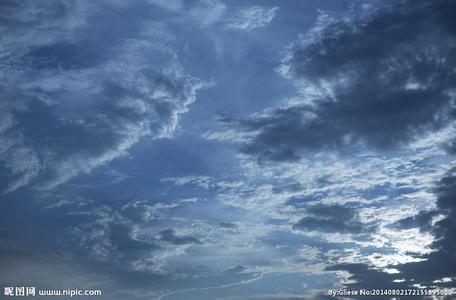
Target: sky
[235, 150]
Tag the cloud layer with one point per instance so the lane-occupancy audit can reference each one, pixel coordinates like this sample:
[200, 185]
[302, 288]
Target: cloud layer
[381, 81]
[329, 163]
[75, 98]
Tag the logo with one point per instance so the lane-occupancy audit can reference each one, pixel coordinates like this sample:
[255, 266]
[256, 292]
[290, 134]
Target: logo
[19, 291]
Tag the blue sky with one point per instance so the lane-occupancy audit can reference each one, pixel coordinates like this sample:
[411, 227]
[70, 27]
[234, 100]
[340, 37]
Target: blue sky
[227, 150]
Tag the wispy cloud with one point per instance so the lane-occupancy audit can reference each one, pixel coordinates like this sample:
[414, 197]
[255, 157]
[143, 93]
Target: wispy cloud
[138, 91]
[251, 18]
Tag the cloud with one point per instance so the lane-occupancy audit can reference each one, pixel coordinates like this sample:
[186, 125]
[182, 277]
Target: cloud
[75, 99]
[81, 98]
[142, 211]
[251, 18]
[334, 218]
[209, 13]
[199, 181]
[109, 237]
[422, 220]
[228, 225]
[440, 263]
[434, 268]
[170, 236]
[326, 225]
[364, 277]
[122, 236]
[381, 81]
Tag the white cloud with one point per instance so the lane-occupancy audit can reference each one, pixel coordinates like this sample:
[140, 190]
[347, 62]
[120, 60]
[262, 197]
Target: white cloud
[204, 182]
[209, 13]
[140, 83]
[250, 18]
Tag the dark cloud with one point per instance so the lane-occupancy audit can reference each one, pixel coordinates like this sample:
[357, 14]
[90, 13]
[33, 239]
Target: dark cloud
[332, 218]
[121, 237]
[292, 188]
[112, 236]
[432, 267]
[303, 201]
[237, 269]
[332, 211]
[391, 78]
[327, 225]
[441, 263]
[365, 277]
[228, 225]
[81, 82]
[170, 236]
[423, 221]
